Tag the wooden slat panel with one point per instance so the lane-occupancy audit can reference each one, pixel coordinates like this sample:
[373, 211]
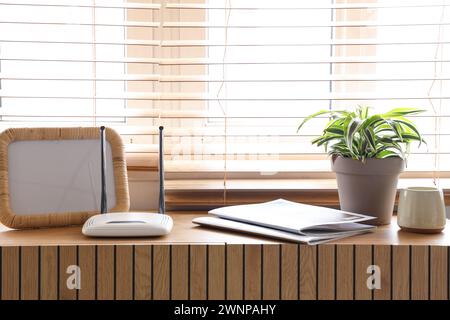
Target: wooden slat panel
[424, 259]
[382, 258]
[124, 272]
[344, 272]
[271, 272]
[439, 273]
[29, 273]
[326, 269]
[235, 274]
[67, 257]
[105, 272]
[198, 272]
[308, 272]
[363, 259]
[400, 273]
[86, 261]
[143, 272]
[10, 273]
[161, 272]
[419, 272]
[216, 272]
[180, 274]
[49, 273]
[252, 272]
[428, 274]
[289, 271]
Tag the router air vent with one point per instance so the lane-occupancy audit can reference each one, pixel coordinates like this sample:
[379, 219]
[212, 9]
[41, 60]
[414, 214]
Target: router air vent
[91, 222]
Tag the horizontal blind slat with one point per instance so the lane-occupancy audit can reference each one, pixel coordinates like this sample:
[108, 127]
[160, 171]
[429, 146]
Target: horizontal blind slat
[358, 24]
[176, 114]
[100, 24]
[205, 97]
[233, 132]
[152, 77]
[200, 43]
[348, 42]
[202, 61]
[370, 5]
[83, 4]
[279, 184]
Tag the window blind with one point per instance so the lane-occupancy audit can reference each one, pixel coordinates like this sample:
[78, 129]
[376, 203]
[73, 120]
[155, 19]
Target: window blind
[229, 79]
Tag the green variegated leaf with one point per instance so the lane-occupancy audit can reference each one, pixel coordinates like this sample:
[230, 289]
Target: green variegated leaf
[410, 125]
[387, 154]
[322, 112]
[363, 112]
[371, 138]
[395, 128]
[335, 130]
[400, 112]
[350, 127]
[323, 139]
[373, 121]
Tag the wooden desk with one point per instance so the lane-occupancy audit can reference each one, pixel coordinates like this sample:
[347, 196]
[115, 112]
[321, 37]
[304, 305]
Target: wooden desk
[198, 263]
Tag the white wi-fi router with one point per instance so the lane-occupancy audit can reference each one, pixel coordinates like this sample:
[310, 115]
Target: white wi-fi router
[129, 224]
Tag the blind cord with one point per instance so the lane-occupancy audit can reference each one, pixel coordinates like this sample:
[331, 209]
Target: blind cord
[222, 107]
[437, 111]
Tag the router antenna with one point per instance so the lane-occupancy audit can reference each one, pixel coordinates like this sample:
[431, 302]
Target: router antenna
[103, 203]
[162, 201]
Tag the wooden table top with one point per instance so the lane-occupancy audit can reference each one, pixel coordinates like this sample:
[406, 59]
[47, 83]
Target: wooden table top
[185, 232]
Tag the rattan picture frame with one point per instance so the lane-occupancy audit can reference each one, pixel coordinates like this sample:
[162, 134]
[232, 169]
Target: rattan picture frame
[73, 217]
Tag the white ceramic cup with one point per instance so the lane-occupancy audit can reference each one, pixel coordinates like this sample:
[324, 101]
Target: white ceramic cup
[421, 209]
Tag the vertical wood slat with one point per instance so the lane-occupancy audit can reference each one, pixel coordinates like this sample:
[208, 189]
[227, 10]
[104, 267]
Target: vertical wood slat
[124, 272]
[161, 272]
[344, 272]
[198, 272]
[271, 272]
[252, 272]
[326, 268]
[363, 259]
[86, 262]
[400, 273]
[382, 259]
[308, 272]
[49, 273]
[29, 273]
[439, 277]
[419, 272]
[143, 272]
[10, 273]
[105, 272]
[180, 274]
[216, 272]
[289, 271]
[67, 257]
[235, 274]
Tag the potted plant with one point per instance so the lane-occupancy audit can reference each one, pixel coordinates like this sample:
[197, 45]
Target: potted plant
[368, 153]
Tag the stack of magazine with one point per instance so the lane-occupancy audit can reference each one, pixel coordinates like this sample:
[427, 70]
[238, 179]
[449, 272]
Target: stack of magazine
[289, 221]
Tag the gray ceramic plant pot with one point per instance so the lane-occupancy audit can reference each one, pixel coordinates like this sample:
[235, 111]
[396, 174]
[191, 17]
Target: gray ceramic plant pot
[368, 188]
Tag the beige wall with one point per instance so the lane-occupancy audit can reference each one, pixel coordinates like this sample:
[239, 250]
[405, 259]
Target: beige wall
[144, 190]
